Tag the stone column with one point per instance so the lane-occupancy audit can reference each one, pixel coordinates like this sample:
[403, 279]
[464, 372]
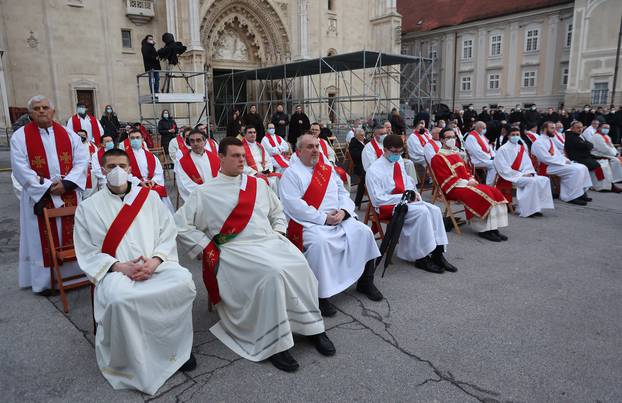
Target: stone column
[303, 29]
[194, 25]
[171, 17]
[513, 60]
[550, 63]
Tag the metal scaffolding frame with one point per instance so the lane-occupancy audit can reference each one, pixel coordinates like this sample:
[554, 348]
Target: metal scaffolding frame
[362, 81]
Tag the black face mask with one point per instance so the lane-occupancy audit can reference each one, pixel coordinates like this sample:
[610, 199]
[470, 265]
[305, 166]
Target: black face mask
[83, 139]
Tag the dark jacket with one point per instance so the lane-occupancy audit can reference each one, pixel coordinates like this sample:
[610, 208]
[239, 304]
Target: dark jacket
[110, 124]
[253, 119]
[164, 125]
[279, 128]
[579, 150]
[356, 151]
[326, 133]
[397, 124]
[484, 117]
[498, 115]
[532, 117]
[234, 125]
[298, 124]
[150, 56]
[585, 117]
[517, 116]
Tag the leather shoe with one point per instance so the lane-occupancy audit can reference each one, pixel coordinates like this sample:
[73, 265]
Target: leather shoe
[446, 265]
[323, 344]
[284, 361]
[489, 235]
[615, 189]
[189, 365]
[578, 201]
[586, 197]
[500, 235]
[428, 265]
[326, 308]
[369, 289]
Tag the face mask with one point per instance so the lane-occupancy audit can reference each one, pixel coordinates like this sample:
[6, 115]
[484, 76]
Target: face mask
[109, 146]
[470, 108]
[605, 131]
[514, 139]
[451, 143]
[483, 132]
[586, 109]
[136, 143]
[382, 138]
[117, 177]
[271, 131]
[83, 139]
[151, 41]
[81, 110]
[165, 116]
[533, 108]
[109, 110]
[560, 130]
[393, 157]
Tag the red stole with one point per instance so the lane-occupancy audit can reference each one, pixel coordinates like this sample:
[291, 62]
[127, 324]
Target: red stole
[89, 181]
[387, 211]
[542, 166]
[560, 138]
[250, 160]
[190, 168]
[213, 146]
[39, 163]
[122, 223]
[376, 147]
[422, 140]
[75, 122]
[435, 146]
[233, 226]
[100, 156]
[314, 195]
[531, 136]
[151, 164]
[483, 145]
[506, 186]
[324, 147]
[181, 144]
[277, 157]
[606, 138]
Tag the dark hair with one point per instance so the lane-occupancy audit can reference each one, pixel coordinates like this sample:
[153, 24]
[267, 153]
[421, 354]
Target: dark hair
[249, 127]
[145, 39]
[104, 136]
[196, 131]
[514, 129]
[81, 130]
[226, 142]
[134, 130]
[315, 123]
[600, 124]
[441, 135]
[114, 152]
[186, 129]
[393, 141]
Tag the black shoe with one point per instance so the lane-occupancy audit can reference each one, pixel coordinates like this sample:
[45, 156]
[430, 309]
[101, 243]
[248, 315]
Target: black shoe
[578, 201]
[538, 214]
[428, 265]
[46, 293]
[284, 361]
[500, 235]
[323, 344]
[446, 265]
[326, 308]
[449, 225]
[616, 189]
[586, 197]
[369, 289]
[489, 235]
[189, 365]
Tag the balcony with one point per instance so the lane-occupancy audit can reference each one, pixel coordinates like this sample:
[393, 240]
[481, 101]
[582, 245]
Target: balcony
[139, 12]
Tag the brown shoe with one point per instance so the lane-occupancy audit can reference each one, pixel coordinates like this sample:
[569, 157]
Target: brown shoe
[615, 189]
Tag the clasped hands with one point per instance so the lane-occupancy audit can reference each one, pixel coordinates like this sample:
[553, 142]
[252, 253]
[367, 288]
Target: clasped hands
[335, 217]
[139, 269]
[57, 188]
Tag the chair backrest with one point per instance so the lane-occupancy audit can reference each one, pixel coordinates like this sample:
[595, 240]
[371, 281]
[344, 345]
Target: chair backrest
[159, 152]
[53, 214]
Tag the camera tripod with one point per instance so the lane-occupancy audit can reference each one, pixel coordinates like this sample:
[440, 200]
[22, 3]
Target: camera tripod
[169, 74]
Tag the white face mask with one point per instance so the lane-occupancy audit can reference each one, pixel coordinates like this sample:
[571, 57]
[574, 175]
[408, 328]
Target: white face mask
[451, 143]
[117, 176]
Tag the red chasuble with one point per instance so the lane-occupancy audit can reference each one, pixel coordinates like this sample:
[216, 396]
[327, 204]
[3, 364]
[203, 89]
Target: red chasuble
[314, 195]
[234, 224]
[75, 120]
[190, 168]
[506, 186]
[278, 157]
[398, 178]
[39, 163]
[122, 223]
[151, 164]
[477, 200]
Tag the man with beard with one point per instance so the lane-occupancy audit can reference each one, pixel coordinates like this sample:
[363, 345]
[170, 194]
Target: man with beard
[298, 124]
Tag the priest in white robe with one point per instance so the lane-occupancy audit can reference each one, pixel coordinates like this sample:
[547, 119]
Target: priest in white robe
[177, 146]
[480, 151]
[423, 236]
[96, 160]
[574, 178]
[196, 166]
[604, 150]
[143, 297]
[277, 148]
[91, 180]
[340, 250]
[560, 137]
[258, 162]
[86, 121]
[433, 146]
[49, 163]
[373, 150]
[329, 153]
[416, 143]
[260, 283]
[514, 167]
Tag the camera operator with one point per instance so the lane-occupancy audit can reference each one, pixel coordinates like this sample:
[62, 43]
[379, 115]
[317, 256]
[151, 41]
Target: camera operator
[169, 52]
[151, 63]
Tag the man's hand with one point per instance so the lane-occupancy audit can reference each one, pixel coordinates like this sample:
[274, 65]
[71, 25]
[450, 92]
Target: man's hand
[472, 182]
[128, 268]
[335, 218]
[146, 271]
[528, 174]
[57, 189]
[171, 130]
[146, 183]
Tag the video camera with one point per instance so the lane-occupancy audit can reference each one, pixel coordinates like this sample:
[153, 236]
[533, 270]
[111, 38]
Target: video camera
[171, 49]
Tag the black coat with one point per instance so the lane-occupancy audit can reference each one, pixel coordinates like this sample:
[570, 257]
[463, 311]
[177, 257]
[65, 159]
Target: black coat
[585, 117]
[253, 119]
[498, 115]
[579, 150]
[517, 116]
[468, 114]
[356, 152]
[111, 125]
[279, 128]
[423, 115]
[397, 125]
[234, 126]
[164, 125]
[298, 124]
[150, 57]
[484, 117]
[532, 117]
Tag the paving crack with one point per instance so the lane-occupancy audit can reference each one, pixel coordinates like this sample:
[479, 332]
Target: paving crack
[85, 333]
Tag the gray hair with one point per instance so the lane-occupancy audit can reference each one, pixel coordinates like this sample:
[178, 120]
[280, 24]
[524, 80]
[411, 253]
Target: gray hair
[359, 130]
[39, 98]
[299, 140]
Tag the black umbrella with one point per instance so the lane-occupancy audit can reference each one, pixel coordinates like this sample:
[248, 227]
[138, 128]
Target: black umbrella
[394, 229]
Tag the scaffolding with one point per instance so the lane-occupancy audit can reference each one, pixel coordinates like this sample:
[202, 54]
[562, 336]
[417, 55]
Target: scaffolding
[364, 84]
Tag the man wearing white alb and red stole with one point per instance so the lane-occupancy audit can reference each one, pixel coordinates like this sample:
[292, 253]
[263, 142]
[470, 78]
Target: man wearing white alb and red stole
[258, 162]
[145, 168]
[513, 164]
[423, 236]
[91, 180]
[560, 137]
[433, 146]
[143, 298]
[260, 284]
[196, 166]
[329, 153]
[97, 159]
[277, 148]
[340, 250]
[49, 163]
[605, 151]
[480, 151]
[416, 143]
[373, 150]
[574, 178]
[85, 121]
[177, 146]
[485, 206]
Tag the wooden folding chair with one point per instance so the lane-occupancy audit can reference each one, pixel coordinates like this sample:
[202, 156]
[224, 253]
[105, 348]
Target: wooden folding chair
[339, 153]
[164, 161]
[507, 192]
[372, 215]
[449, 212]
[59, 254]
[479, 173]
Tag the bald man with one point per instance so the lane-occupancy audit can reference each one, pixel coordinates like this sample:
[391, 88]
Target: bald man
[480, 151]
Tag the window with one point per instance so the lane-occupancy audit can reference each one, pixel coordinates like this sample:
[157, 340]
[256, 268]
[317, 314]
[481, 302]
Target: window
[331, 5]
[495, 45]
[467, 49]
[493, 81]
[529, 79]
[126, 38]
[531, 40]
[465, 83]
[433, 83]
[568, 38]
[433, 54]
[564, 76]
[600, 91]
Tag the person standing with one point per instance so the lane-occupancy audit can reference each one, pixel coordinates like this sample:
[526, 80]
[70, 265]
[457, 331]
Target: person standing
[298, 124]
[280, 120]
[167, 128]
[253, 118]
[110, 123]
[83, 120]
[151, 63]
[397, 123]
[50, 164]
[234, 125]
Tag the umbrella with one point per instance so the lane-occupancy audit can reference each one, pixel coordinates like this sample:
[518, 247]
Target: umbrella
[394, 229]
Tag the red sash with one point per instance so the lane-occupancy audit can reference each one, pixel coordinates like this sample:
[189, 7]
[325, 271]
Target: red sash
[480, 141]
[151, 164]
[190, 168]
[213, 146]
[233, 226]
[387, 211]
[324, 147]
[100, 156]
[277, 157]
[89, 181]
[422, 140]
[606, 138]
[435, 146]
[542, 167]
[272, 142]
[314, 195]
[122, 223]
[39, 163]
[560, 138]
[181, 144]
[75, 122]
[250, 160]
[505, 186]
[531, 136]
[376, 147]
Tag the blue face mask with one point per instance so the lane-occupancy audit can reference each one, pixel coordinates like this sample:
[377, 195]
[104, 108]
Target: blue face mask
[514, 139]
[136, 143]
[393, 157]
[483, 132]
[604, 131]
[109, 146]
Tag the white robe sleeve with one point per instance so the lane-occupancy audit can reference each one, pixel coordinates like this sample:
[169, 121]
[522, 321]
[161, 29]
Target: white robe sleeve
[539, 149]
[185, 185]
[275, 215]
[345, 201]
[503, 163]
[601, 148]
[368, 155]
[193, 239]
[96, 169]
[80, 161]
[474, 150]
[378, 191]
[173, 147]
[291, 192]
[26, 176]
[69, 124]
[166, 244]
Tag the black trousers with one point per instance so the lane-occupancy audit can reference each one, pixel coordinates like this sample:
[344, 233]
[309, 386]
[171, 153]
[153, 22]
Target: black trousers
[360, 190]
